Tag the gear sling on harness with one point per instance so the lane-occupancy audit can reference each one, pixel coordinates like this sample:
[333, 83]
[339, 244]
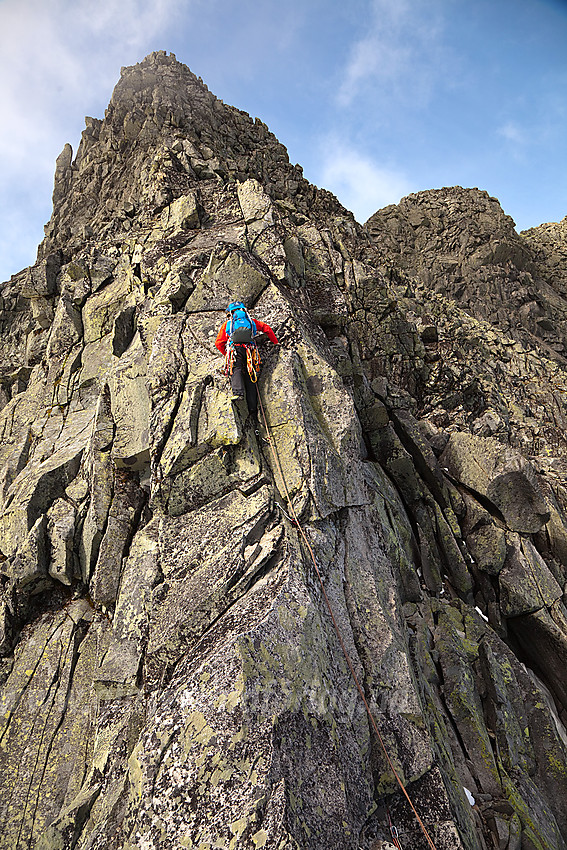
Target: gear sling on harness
[252, 359]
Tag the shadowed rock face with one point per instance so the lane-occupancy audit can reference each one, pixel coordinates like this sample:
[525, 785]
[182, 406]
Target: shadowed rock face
[170, 674]
[459, 242]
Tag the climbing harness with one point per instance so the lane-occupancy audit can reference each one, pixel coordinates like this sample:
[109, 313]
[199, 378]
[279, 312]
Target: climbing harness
[373, 723]
[253, 360]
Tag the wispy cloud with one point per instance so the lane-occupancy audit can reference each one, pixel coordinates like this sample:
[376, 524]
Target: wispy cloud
[56, 55]
[516, 136]
[59, 59]
[400, 49]
[358, 182]
[513, 133]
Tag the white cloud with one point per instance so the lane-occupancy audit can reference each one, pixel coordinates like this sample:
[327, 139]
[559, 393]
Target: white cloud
[401, 49]
[59, 54]
[360, 185]
[512, 132]
[518, 139]
[59, 59]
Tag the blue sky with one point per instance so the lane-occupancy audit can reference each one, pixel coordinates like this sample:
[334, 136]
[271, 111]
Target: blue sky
[374, 98]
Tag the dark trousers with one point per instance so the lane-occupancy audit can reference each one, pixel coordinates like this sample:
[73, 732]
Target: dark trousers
[240, 380]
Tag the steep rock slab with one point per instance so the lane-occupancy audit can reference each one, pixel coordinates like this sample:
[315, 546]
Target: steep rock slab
[503, 477]
[46, 733]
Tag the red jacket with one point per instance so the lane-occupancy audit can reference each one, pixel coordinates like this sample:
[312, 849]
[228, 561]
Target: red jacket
[261, 327]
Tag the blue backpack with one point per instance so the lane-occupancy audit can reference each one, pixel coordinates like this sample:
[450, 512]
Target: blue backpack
[240, 328]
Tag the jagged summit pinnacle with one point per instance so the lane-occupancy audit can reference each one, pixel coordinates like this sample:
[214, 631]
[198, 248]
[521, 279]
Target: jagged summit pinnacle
[163, 133]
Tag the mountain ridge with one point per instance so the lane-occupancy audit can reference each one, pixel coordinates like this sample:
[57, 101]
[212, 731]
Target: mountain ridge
[170, 676]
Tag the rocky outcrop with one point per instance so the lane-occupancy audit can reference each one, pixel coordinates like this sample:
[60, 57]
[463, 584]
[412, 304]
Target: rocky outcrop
[163, 134]
[548, 244]
[171, 675]
[460, 243]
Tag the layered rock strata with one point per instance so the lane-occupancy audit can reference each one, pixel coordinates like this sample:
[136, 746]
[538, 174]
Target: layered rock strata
[170, 674]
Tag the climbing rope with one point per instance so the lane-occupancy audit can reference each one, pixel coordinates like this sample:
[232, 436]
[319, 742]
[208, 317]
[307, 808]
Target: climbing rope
[339, 635]
[229, 360]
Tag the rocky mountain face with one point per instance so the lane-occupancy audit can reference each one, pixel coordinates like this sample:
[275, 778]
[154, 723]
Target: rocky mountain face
[170, 674]
[460, 243]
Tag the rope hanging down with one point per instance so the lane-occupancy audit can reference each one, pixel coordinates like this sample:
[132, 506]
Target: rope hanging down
[337, 629]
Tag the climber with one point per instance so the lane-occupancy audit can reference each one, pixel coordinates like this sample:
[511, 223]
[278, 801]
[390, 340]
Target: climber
[236, 340]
